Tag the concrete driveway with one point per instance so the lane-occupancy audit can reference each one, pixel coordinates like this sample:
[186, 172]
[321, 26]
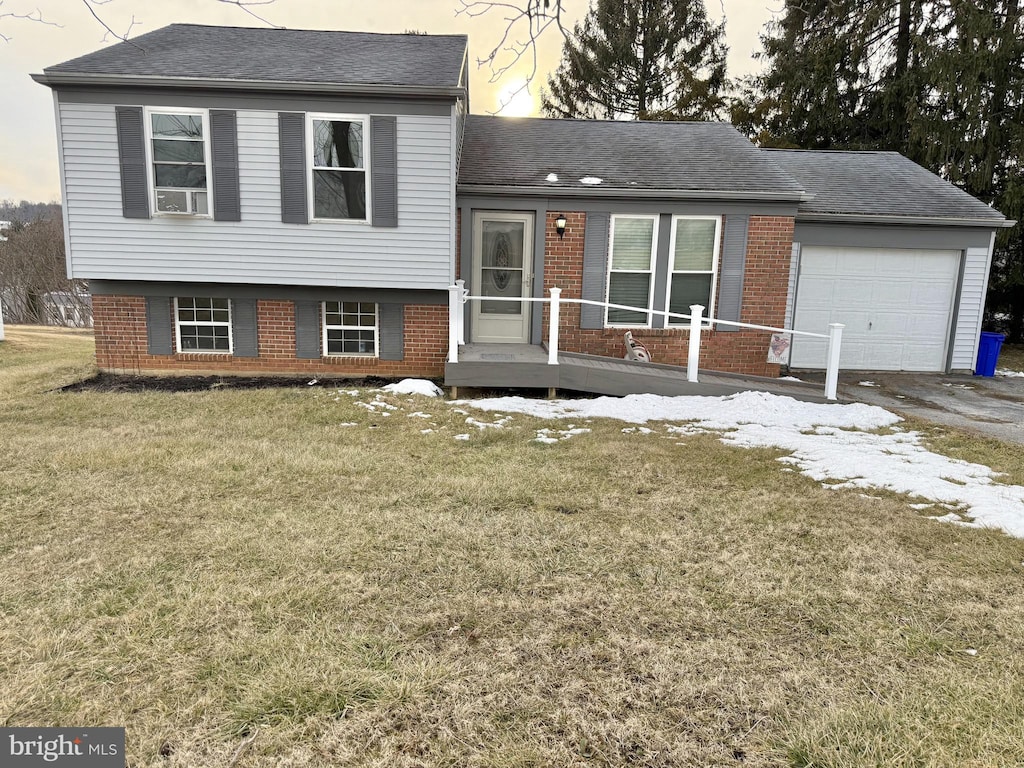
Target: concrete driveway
[991, 406]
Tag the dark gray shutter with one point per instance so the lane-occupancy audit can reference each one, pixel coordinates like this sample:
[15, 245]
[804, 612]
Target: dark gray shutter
[224, 154]
[291, 128]
[384, 170]
[159, 328]
[131, 149]
[307, 330]
[391, 319]
[734, 259]
[595, 268]
[243, 327]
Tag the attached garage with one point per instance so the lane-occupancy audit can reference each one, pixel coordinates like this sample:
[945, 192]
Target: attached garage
[897, 255]
[897, 306]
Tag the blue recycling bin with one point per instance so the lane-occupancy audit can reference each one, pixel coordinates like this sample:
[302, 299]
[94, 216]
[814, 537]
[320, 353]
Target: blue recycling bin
[988, 353]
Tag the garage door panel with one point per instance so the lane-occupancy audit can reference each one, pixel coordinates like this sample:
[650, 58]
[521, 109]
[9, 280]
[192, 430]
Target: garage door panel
[896, 305]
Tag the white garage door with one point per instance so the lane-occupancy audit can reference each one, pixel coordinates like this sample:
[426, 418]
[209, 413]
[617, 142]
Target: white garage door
[896, 305]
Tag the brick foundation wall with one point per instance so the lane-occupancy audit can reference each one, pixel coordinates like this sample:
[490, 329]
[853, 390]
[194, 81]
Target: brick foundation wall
[769, 247]
[121, 345]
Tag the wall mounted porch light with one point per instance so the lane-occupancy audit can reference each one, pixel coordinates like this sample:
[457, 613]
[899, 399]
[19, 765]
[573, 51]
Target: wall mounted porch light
[560, 223]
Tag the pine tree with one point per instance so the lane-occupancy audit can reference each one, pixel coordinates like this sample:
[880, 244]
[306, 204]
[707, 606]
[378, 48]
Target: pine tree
[941, 81]
[641, 59]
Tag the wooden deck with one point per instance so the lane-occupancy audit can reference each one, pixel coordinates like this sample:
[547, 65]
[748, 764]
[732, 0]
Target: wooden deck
[526, 365]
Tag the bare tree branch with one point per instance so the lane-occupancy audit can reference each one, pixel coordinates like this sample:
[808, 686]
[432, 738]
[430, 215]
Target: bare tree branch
[36, 16]
[525, 23]
[110, 33]
[244, 5]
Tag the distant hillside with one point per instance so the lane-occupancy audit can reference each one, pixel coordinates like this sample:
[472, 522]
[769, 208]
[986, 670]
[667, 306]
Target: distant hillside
[25, 211]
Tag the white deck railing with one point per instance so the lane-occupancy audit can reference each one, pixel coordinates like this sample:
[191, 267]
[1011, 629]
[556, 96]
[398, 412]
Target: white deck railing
[458, 296]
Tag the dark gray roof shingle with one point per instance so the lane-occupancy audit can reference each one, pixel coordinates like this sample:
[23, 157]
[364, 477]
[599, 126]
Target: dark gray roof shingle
[876, 184]
[675, 157]
[281, 55]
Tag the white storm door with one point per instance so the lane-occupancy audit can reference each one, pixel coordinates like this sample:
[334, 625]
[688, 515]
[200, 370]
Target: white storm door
[502, 260]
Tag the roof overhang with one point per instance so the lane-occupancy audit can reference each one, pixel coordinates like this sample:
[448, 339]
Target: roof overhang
[629, 193]
[87, 79]
[854, 218]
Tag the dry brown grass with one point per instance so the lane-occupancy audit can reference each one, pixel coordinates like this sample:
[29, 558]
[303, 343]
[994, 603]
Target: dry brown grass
[1011, 356]
[199, 566]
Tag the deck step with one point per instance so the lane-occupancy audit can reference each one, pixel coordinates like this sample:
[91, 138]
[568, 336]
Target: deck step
[525, 365]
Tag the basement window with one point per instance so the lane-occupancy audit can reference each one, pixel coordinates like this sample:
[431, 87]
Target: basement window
[203, 325]
[350, 329]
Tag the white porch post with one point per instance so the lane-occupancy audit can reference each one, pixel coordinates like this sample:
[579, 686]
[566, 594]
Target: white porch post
[556, 294]
[693, 358]
[462, 310]
[454, 304]
[835, 340]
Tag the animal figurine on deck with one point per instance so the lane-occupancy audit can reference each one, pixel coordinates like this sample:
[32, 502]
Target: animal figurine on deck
[635, 350]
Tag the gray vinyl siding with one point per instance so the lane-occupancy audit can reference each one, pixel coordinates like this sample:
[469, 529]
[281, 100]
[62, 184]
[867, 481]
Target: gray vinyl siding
[260, 249]
[794, 273]
[971, 309]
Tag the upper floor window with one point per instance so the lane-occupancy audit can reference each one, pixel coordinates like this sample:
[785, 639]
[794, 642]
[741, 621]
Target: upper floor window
[179, 161]
[339, 177]
[693, 264]
[631, 268]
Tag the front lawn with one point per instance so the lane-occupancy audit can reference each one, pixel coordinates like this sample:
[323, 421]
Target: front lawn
[307, 577]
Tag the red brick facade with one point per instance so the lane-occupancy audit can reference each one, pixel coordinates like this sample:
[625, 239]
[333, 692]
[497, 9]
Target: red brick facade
[121, 345]
[769, 247]
[121, 341]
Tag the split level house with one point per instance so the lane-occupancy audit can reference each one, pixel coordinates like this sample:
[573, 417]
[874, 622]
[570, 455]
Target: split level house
[268, 201]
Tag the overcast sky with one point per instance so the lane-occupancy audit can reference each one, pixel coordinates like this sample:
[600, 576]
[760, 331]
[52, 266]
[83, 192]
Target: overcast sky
[28, 147]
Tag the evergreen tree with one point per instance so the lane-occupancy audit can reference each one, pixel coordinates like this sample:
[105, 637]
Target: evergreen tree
[941, 81]
[641, 59]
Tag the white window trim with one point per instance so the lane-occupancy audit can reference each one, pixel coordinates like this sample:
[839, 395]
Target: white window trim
[230, 325]
[367, 145]
[608, 277]
[709, 310]
[324, 327]
[151, 174]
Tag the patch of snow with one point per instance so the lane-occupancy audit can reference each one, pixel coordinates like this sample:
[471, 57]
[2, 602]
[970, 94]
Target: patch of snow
[426, 431]
[826, 442]
[549, 435]
[866, 384]
[551, 177]
[499, 424]
[590, 180]
[637, 430]
[789, 378]
[349, 392]
[1008, 372]
[957, 386]
[414, 387]
[419, 415]
[462, 437]
[349, 424]
[460, 411]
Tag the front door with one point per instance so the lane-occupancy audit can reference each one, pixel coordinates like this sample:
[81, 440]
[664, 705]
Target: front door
[502, 257]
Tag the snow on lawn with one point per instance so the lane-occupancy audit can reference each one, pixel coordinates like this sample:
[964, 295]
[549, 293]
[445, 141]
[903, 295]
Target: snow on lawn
[1008, 372]
[833, 444]
[414, 387]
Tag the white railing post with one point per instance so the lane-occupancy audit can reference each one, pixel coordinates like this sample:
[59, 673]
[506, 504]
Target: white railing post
[556, 294]
[693, 358]
[835, 340]
[463, 293]
[454, 306]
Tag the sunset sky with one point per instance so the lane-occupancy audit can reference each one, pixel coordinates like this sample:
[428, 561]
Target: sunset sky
[28, 147]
